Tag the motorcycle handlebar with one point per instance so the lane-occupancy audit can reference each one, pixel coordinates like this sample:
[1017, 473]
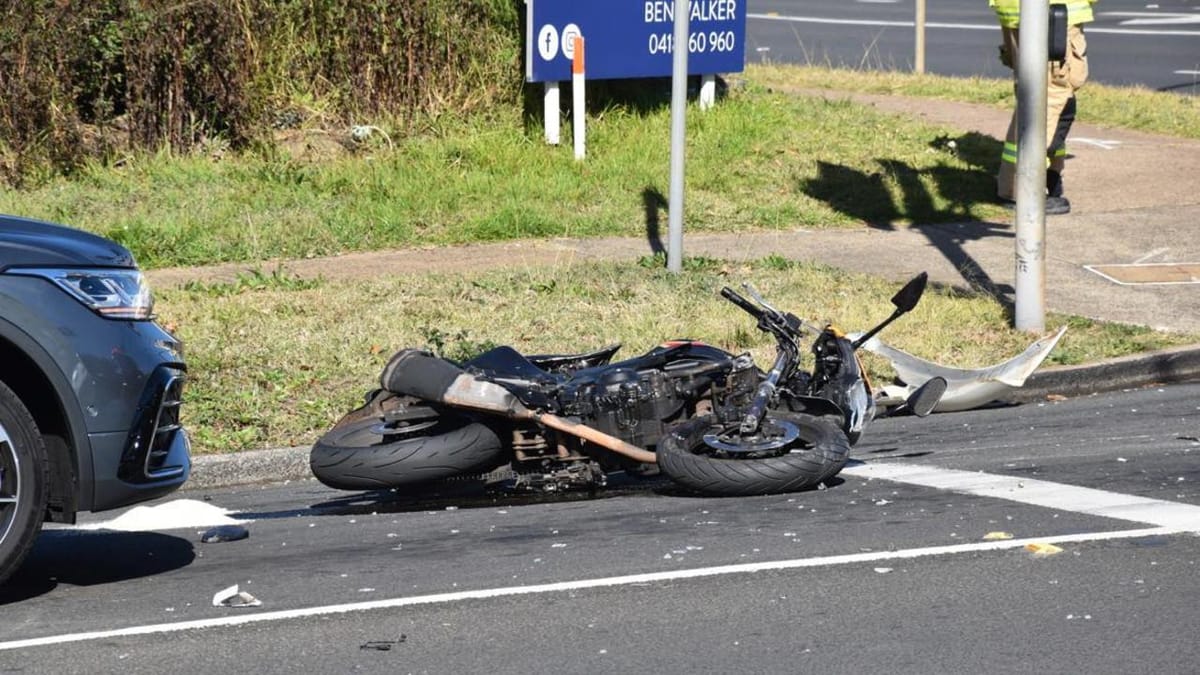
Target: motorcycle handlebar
[732, 296]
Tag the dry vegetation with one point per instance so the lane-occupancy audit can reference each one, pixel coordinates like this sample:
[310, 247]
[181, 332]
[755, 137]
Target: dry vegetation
[85, 79]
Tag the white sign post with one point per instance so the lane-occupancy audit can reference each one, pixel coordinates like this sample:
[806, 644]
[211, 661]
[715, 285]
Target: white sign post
[679, 74]
[550, 113]
[579, 101]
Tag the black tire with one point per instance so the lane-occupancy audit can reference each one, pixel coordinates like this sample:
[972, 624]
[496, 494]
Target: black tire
[367, 453]
[817, 455]
[23, 480]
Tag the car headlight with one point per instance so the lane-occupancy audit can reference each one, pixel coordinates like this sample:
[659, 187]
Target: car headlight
[111, 293]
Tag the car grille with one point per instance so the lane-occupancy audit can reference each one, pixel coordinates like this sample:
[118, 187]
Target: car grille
[157, 422]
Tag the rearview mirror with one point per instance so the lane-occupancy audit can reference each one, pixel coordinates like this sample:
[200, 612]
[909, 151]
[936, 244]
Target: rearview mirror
[908, 297]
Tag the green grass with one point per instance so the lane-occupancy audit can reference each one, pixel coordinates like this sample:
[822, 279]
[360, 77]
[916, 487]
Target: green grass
[1127, 107]
[751, 164]
[759, 160]
[274, 361]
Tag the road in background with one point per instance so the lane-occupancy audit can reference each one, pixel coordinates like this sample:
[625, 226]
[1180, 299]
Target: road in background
[1156, 45]
[872, 574]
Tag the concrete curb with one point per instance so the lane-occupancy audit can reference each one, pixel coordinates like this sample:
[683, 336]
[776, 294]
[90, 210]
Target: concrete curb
[1180, 364]
[250, 467]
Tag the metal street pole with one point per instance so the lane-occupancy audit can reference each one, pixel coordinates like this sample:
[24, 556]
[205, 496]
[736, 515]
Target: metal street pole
[1033, 57]
[678, 137]
[920, 60]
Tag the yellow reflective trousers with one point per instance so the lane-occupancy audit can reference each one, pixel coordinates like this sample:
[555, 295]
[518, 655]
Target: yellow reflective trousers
[1065, 77]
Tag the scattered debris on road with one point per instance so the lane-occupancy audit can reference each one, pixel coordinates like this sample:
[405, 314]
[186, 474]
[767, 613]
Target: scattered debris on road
[383, 645]
[223, 533]
[233, 597]
[1043, 550]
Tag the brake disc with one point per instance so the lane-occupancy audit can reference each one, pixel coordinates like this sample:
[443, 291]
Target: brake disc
[772, 435]
[400, 428]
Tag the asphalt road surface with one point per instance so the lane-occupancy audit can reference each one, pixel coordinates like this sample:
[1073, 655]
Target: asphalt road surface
[1132, 42]
[889, 569]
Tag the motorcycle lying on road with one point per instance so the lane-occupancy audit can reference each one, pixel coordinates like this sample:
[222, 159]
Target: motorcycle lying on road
[710, 420]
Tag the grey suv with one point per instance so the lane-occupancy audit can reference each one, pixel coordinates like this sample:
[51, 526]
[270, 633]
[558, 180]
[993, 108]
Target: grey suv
[90, 386]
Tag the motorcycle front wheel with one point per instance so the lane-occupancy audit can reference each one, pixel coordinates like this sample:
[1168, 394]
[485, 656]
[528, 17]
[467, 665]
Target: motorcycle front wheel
[818, 453]
[422, 445]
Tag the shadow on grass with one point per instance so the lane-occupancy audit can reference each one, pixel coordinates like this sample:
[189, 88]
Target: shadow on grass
[948, 219]
[654, 203]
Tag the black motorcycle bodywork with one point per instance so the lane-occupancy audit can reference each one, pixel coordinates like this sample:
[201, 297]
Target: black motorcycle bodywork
[710, 420]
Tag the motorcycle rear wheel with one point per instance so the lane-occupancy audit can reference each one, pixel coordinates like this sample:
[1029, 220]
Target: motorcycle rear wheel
[818, 454]
[369, 452]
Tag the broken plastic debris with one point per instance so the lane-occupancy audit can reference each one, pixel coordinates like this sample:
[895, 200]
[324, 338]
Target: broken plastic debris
[383, 645]
[1042, 549]
[176, 514]
[995, 536]
[232, 597]
[966, 388]
[224, 533]
[883, 570]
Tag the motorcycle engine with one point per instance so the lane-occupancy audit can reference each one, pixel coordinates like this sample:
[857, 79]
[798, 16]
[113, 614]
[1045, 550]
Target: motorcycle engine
[629, 405]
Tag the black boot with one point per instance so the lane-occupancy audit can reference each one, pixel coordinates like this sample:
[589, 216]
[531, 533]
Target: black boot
[1056, 203]
[1054, 184]
[1057, 206]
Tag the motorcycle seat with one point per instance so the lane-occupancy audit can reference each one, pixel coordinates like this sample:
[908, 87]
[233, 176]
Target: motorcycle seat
[565, 363]
[507, 363]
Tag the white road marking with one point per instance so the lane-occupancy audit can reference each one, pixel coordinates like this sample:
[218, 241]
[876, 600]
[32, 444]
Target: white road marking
[1170, 518]
[1187, 72]
[1154, 18]
[1097, 142]
[1174, 515]
[957, 26]
[627, 580]
[1099, 270]
[1156, 253]
[868, 22]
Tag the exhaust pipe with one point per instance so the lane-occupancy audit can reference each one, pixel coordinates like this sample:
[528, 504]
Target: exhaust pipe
[413, 372]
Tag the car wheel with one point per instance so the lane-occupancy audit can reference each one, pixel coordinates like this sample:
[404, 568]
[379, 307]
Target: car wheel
[23, 477]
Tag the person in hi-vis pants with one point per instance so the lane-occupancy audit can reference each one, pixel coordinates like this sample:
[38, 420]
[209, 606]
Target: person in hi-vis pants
[1065, 78]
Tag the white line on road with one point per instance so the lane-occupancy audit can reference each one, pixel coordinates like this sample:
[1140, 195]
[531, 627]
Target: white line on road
[1174, 515]
[957, 26]
[1097, 142]
[868, 22]
[1170, 517]
[652, 577]
[1154, 18]
[1156, 253]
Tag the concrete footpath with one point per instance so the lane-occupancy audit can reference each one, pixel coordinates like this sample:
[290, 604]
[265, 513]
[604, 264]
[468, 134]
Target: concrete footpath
[1128, 252]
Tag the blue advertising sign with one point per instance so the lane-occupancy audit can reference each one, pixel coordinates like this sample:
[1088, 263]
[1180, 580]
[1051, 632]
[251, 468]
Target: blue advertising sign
[631, 38]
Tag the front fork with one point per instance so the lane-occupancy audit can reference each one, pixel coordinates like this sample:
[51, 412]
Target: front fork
[764, 396]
